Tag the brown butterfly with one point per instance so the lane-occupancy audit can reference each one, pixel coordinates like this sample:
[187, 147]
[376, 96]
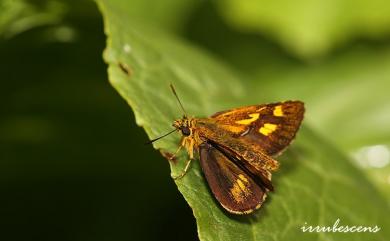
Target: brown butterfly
[236, 149]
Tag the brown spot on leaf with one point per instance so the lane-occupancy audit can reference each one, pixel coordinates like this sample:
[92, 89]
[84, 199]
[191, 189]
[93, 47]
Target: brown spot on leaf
[169, 156]
[125, 68]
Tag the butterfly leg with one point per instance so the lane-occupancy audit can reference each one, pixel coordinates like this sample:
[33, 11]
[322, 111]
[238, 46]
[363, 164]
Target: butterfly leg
[183, 173]
[189, 144]
[174, 154]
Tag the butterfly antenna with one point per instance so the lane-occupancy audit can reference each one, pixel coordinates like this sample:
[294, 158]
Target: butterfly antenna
[177, 97]
[158, 138]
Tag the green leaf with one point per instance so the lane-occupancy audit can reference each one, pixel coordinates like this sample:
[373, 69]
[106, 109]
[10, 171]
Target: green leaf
[316, 185]
[169, 15]
[310, 28]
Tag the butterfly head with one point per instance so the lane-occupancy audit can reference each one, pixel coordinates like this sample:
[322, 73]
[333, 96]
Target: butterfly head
[187, 127]
[184, 125]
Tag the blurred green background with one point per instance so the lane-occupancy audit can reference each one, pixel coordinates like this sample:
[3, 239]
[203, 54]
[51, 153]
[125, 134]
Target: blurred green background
[72, 161]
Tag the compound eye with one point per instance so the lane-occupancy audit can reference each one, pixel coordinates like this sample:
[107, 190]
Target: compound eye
[186, 131]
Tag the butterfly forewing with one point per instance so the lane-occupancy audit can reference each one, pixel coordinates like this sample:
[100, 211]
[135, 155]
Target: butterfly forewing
[232, 187]
[271, 126]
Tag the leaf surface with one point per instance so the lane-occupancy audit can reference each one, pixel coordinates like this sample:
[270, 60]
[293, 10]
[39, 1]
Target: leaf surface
[316, 185]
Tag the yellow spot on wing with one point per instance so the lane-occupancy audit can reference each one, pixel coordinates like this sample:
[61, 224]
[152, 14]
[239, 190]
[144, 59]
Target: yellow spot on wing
[268, 129]
[242, 177]
[253, 118]
[240, 189]
[241, 184]
[278, 111]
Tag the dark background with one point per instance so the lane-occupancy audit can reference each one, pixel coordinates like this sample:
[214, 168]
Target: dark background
[73, 162]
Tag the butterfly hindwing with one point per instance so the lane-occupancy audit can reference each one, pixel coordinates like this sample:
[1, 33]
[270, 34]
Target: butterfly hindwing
[271, 126]
[233, 187]
[259, 174]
